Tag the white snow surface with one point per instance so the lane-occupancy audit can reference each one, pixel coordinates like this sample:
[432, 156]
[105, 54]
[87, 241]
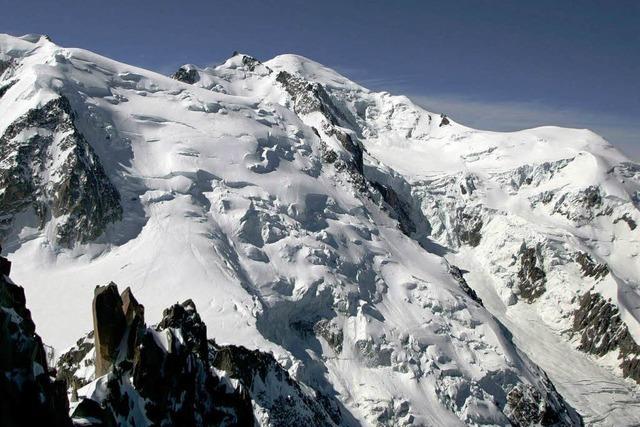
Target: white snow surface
[227, 202]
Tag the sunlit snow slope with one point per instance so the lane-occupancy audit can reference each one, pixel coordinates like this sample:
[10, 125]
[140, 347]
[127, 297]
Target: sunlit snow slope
[309, 217]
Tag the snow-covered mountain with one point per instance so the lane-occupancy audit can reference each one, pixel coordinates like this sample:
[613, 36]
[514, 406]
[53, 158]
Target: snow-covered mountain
[402, 269]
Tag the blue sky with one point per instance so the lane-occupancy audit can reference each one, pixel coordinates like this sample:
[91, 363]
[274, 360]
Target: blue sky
[500, 65]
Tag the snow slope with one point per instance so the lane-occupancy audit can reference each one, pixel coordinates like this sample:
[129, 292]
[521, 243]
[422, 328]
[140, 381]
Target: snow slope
[309, 217]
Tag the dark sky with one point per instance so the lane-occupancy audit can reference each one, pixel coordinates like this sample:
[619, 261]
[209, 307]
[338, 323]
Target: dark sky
[499, 65]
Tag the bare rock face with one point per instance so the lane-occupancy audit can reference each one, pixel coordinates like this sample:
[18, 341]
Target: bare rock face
[590, 268]
[270, 387]
[398, 207]
[28, 394]
[458, 275]
[130, 306]
[4, 87]
[582, 206]
[186, 317]
[627, 218]
[79, 356]
[5, 267]
[109, 323]
[251, 63]
[527, 407]
[134, 315]
[47, 166]
[160, 375]
[175, 381]
[469, 226]
[186, 74]
[531, 276]
[602, 330]
[117, 320]
[331, 333]
[308, 97]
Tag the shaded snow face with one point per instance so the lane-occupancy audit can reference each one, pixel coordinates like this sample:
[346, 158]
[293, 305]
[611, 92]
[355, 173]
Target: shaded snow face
[312, 218]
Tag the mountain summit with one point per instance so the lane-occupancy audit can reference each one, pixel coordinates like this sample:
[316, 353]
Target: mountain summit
[390, 265]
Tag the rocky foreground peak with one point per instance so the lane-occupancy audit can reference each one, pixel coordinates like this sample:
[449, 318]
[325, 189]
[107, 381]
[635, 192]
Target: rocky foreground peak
[29, 394]
[171, 374]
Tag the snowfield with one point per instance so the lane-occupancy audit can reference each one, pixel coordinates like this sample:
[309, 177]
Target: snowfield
[311, 218]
